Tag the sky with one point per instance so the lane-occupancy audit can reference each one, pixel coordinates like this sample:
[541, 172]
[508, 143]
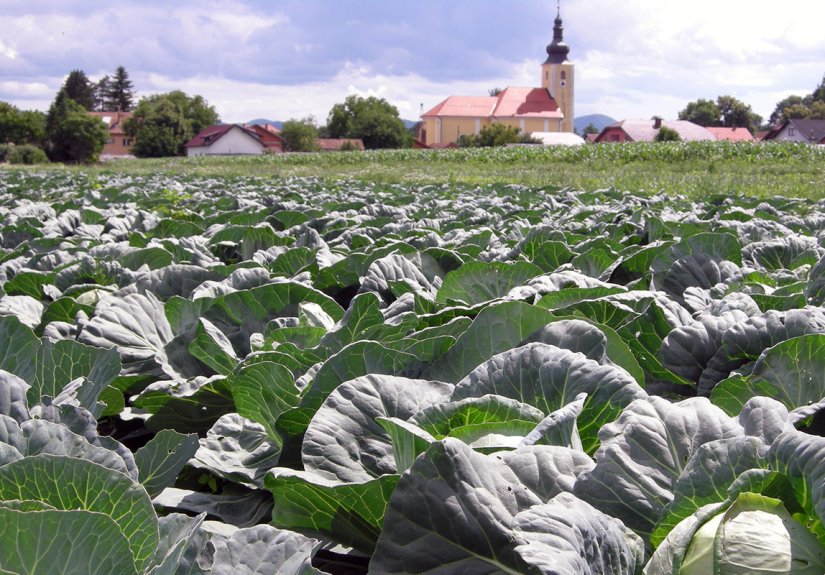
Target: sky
[283, 59]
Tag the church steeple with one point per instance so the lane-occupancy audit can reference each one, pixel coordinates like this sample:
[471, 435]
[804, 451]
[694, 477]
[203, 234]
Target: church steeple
[557, 50]
[557, 74]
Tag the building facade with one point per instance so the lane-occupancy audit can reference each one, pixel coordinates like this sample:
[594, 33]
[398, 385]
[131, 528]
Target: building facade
[119, 143]
[224, 140]
[545, 109]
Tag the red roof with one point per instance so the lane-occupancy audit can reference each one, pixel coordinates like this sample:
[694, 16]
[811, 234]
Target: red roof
[471, 106]
[527, 102]
[113, 120]
[335, 144]
[269, 135]
[511, 102]
[731, 134]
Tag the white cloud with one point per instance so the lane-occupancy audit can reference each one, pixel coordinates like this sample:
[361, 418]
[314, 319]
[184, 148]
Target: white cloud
[7, 51]
[254, 58]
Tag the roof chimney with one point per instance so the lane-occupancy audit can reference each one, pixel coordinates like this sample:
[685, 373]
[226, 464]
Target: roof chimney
[657, 123]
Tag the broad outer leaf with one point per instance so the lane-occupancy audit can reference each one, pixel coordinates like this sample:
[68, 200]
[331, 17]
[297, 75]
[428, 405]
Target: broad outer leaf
[238, 506]
[176, 533]
[68, 483]
[262, 392]
[264, 550]
[745, 341]
[547, 470]
[567, 535]
[75, 542]
[137, 326]
[345, 442]
[350, 513]
[160, 460]
[237, 449]
[792, 372]
[644, 452]
[59, 363]
[478, 282]
[548, 377]
[454, 507]
[13, 401]
[802, 458]
[18, 347]
[497, 328]
[43, 436]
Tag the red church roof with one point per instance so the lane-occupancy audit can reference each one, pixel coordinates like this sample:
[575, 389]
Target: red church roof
[511, 102]
[527, 102]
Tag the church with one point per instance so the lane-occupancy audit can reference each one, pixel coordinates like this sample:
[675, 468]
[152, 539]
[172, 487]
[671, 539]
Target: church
[545, 109]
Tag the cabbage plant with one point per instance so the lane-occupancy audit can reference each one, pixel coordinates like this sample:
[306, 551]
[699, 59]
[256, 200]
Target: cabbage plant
[753, 534]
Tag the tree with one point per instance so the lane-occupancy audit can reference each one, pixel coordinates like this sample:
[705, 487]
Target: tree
[809, 106]
[78, 87]
[779, 114]
[591, 129]
[737, 114]
[121, 92]
[702, 112]
[72, 134]
[21, 127]
[495, 91]
[814, 111]
[666, 134]
[300, 135]
[495, 135]
[725, 111]
[372, 119]
[161, 124]
[103, 97]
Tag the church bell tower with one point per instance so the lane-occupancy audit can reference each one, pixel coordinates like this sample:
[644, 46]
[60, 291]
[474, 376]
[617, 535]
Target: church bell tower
[557, 73]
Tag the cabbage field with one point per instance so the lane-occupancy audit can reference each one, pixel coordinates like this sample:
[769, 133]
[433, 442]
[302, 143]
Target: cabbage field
[205, 375]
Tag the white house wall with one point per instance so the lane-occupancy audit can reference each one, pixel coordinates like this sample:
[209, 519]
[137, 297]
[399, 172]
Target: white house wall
[234, 142]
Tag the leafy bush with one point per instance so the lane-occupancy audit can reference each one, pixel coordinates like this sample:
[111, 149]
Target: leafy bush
[26, 154]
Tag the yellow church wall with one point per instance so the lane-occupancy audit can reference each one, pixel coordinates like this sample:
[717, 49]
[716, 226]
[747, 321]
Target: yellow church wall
[445, 130]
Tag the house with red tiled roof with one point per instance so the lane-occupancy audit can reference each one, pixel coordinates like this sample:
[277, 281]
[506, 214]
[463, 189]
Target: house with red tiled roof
[270, 137]
[118, 144]
[545, 109]
[224, 140]
[646, 130]
[731, 134]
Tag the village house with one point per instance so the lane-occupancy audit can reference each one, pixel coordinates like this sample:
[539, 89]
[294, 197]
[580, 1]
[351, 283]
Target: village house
[225, 140]
[118, 144]
[798, 130]
[646, 130]
[338, 144]
[545, 109]
[269, 135]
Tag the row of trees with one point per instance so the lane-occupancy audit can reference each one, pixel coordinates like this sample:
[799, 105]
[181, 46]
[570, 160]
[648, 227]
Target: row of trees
[109, 94]
[373, 120]
[66, 133]
[730, 112]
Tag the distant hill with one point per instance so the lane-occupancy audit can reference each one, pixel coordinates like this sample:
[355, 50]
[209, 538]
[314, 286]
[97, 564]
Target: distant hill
[261, 121]
[598, 120]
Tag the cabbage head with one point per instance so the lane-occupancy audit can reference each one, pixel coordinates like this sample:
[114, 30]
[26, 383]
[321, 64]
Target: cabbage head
[753, 535]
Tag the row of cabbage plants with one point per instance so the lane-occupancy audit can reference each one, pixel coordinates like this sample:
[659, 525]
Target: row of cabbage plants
[299, 376]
